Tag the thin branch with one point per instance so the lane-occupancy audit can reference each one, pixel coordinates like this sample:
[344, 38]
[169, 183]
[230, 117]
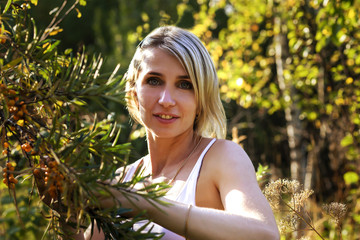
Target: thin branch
[53, 24]
[302, 218]
[50, 26]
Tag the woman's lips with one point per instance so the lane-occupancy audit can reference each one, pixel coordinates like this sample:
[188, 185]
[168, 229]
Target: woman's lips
[166, 118]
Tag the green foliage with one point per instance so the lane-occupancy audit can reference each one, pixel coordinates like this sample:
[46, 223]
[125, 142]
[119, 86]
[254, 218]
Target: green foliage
[293, 68]
[46, 124]
[316, 43]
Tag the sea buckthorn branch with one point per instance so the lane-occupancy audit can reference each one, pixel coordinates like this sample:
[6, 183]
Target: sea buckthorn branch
[45, 120]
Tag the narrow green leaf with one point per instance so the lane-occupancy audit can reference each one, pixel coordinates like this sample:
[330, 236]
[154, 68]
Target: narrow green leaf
[12, 63]
[7, 5]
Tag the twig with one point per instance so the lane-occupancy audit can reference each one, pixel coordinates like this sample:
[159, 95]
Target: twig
[53, 24]
[302, 218]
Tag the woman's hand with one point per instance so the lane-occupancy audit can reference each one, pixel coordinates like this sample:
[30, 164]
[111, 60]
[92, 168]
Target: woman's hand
[110, 196]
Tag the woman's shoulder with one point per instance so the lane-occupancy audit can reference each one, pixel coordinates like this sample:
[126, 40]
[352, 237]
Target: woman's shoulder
[227, 147]
[228, 154]
[229, 166]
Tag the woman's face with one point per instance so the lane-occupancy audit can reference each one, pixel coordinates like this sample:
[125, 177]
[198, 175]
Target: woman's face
[165, 94]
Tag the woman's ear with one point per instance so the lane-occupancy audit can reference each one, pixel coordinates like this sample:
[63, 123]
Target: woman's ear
[134, 97]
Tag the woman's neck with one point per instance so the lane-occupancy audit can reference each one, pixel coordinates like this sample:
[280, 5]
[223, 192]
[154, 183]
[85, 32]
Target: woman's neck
[165, 154]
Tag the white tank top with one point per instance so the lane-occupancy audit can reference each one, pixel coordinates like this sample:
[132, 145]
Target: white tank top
[186, 195]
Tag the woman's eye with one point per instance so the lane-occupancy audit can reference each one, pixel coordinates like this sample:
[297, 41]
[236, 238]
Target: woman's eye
[185, 85]
[153, 81]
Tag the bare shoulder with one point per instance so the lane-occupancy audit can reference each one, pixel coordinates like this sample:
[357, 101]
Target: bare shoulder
[228, 164]
[225, 153]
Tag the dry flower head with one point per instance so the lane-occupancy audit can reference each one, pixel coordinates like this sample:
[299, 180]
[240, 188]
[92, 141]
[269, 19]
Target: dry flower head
[336, 211]
[274, 190]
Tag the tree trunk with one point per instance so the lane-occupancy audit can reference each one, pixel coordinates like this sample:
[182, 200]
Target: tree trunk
[293, 124]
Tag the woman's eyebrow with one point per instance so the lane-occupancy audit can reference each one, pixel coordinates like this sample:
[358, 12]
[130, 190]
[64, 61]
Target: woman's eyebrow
[154, 73]
[184, 77]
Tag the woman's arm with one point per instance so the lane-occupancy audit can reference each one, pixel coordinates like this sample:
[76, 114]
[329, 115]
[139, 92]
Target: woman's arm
[247, 214]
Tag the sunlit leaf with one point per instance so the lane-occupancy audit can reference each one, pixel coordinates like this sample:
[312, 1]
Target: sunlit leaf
[351, 178]
[347, 140]
[35, 2]
[8, 4]
[78, 13]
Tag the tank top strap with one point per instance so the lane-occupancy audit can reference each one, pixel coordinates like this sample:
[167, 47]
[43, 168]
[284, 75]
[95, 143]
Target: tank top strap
[187, 194]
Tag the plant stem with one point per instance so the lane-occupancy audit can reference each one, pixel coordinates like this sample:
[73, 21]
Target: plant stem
[302, 218]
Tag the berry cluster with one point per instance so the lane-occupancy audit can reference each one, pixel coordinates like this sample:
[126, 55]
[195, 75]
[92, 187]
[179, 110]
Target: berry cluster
[6, 148]
[16, 107]
[8, 175]
[53, 177]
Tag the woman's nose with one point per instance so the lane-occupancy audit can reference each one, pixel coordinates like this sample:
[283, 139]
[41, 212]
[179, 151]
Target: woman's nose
[166, 98]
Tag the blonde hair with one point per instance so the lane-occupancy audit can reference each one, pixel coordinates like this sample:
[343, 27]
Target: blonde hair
[196, 60]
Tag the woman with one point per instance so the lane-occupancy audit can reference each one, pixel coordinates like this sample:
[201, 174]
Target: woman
[172, 90]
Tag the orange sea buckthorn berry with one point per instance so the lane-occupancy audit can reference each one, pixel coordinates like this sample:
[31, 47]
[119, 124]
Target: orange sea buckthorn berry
[5, 152]
[12, 92]
[11, 102]
[9, 178]
[20, 113]
[6, 145]
[23, 108]
[37, 173]
[13, 180]
[26, 147]
[9, 166]
[52, 164]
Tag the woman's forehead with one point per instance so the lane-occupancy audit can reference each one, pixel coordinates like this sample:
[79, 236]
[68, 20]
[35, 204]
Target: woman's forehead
[156, 58]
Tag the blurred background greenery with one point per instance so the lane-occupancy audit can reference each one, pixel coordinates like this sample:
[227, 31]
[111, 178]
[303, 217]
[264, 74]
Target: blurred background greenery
[289, 78]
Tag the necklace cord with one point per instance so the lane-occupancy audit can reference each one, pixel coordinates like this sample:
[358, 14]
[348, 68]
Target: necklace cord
[185, 161]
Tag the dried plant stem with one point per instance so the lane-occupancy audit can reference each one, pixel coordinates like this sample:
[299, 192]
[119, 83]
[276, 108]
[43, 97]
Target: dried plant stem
[53, 24]
[302, 218]
[340, 235]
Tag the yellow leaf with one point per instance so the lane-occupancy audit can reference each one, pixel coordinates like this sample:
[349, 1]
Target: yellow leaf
[351, 14]
[20, 123]
[45, 45]
[78, 13]
[53, 33]
[349, 80]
